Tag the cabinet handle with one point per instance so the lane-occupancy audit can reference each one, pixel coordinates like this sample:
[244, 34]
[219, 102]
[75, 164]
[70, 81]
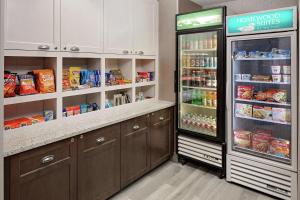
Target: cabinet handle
[125, 52]
[100, 140]
[65, 48]
[43, 47]
[136, 127]
[141, 53]
[47, 159]
[74, 48]
[161, 118]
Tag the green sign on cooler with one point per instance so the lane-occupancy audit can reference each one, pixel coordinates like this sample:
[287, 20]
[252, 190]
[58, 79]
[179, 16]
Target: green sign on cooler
[268, 21]
[205, 18]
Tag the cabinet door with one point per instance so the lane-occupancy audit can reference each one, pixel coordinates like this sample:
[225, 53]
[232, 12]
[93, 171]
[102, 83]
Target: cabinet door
[160, 137]
[82, 25]
[47, 173]
[118, 26]
[134, 149]
[32, 24]
[99, 164]
[145, 26]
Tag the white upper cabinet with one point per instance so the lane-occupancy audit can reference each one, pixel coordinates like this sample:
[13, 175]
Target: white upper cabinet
[145, 26]
[82, 25]
[118, 26]
[32, 24]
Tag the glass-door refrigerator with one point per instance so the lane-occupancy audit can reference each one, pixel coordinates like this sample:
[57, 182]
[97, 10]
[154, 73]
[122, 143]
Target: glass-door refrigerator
[201, 86]
[262, 103]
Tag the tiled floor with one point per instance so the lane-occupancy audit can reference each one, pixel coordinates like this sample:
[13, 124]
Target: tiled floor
[172, 181]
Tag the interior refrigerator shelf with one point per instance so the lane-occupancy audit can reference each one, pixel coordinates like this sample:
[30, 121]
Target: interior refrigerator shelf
[199, 50]
[263, 82]
[199, 106]
[208, 68]
[263, 102]
[263, 120]
[258, 59]
[263, 155]
[200, 88]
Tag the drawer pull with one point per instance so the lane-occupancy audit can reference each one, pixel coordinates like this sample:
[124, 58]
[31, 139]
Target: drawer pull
[161, 118]
[100, 140]
[47, 159]
[43, 47]
[74, 48]
[141, 53]
[136, 127]
[125, 52]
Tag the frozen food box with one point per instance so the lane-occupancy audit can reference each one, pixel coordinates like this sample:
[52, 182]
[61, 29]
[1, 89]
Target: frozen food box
[243, 110]
[242, 138]
[262, 112]
[280, 148]
[245, 92]
[281, 114]
[261, 141]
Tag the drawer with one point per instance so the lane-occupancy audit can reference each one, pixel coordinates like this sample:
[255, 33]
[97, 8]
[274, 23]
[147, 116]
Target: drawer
[135, 124]
[99, 137]
[160, 116]
[42, 157]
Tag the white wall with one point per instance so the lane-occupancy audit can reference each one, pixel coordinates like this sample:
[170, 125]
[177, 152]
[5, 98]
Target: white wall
[244, 6]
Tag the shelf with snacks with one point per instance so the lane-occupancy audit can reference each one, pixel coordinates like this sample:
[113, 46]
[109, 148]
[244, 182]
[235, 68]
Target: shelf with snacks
[144, 71]
[80, 104]
[26, 114]
[118, 97]
[262, 120]
[144, 93]
[200, 88]
[263, 102]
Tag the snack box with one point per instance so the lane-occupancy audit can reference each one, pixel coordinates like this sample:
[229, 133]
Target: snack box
[261, 141]
[262, 112]
[243, 109]
[281, 114]
[76, 110]
[49, 115]
[17, 123]
[242, 138]
[245, 92]
[280, 148]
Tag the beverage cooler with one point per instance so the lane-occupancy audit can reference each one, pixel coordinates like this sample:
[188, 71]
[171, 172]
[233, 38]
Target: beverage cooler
[262, 101]
[201, 86]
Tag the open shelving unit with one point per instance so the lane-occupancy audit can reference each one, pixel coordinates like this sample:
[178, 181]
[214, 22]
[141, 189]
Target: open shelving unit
[129, 65]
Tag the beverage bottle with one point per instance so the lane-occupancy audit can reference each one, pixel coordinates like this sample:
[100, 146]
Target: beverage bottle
[193, 61]
[183, 43]
[215, 99]
[209, 99]
[196, 47]
[184, 78]
[188, 61]
[205, 42]
[198, 78]
[187, 43]
[183, 61]
[193, 78]
[214, 79]
[209, 41]
[215, 62]
[197, 61]
[208, 80]
[215, 40]
[201, 61]
[188, 78]
[200, 43]
[192, 42]
[200, 100]
[194, 97]
[204, 98]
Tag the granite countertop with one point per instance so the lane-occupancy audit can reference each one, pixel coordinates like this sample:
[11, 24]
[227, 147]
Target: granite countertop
[23, 139]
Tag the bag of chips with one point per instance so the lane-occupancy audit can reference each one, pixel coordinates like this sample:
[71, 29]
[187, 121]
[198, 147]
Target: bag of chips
[9, 84]
[27, 85]
[75, 77]
[66, 80]
[45, 80]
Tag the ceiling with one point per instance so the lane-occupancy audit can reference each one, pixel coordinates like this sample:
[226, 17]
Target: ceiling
[209, 2]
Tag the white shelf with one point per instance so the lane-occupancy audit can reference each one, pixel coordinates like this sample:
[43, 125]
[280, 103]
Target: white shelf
[262, 82]
[264, 102]
[199, 106]
[208, 68]
[149, 83]
[118, 87]
[263, 120]
[262, 59]
[200, 88]
[29, 98]
[81, 92]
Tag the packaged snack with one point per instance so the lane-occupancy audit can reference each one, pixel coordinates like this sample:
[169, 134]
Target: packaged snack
[76, 110]
[261, 78]
[95, 107]
[286, 78]
[48, 115]
[11, 124]
[243, 110]
[286, 69]
[280, 147]
[242, 138]
[69, 111]
[97, 78]
[83, 108]
[84, 77]
[66, 79]
[281, 114]
[10, 82]
[238, 77]
[246, 77]
[37, 119]
[276, 69]
[276, 78]
[27, 85]
[262, 112]
[75, 77]
[45, 80]
[245, 92]
[64, 112]
[89, 108]
[261, 140]
[275, 95]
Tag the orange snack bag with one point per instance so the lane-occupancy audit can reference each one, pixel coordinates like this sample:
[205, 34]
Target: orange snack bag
[37, 119]
[45, 80]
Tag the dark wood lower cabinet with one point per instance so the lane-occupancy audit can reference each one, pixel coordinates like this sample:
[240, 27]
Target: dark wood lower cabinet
[46, 173]
[134, 149]
[93, 166]
[99, 163]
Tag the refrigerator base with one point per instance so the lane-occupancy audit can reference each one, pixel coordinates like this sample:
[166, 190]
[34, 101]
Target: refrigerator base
[261, 177]
[202, 152]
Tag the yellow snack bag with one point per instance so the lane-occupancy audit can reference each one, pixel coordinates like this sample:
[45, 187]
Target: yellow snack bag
[74, 77]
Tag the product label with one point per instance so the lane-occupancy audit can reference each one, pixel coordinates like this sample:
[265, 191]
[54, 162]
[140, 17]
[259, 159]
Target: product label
[261, 22]
[212, 17]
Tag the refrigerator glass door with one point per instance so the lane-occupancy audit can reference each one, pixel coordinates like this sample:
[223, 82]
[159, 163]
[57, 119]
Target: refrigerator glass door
[197, 98]
[262, 100]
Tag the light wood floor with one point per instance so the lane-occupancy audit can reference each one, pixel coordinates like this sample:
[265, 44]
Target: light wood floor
[172, 181]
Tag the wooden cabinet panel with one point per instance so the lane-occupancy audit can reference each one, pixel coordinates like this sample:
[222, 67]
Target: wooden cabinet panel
[99, 163]
[118, 26]
[82, 25]
[32, 25]
[160, 137]
[47, 173]
[134, 150]
[145, 31]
